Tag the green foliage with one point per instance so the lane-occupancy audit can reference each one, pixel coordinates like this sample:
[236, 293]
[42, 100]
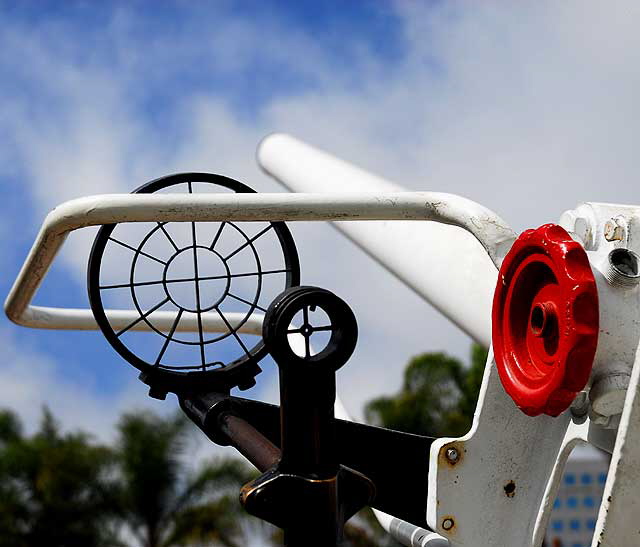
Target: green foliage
[162, 501]
[54, 487]
[437, 398]
[64, 490]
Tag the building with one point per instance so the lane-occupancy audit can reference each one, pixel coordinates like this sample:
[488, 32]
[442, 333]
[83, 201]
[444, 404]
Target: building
[575, 509]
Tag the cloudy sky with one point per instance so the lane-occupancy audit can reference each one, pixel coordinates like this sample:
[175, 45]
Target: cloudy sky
[527, 108]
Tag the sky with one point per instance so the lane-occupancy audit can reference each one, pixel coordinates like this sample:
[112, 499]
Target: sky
[528, 109]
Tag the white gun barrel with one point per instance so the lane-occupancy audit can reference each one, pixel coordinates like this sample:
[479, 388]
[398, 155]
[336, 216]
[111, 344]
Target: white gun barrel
[443, 264]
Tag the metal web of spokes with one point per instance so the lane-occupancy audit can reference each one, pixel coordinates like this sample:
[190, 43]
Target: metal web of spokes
[196, 279]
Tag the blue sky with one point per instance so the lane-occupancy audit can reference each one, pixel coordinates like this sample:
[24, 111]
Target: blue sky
[529, 110]
[155, 57]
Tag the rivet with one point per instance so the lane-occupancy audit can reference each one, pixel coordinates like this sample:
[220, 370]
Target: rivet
[447, 523]
[453, 455]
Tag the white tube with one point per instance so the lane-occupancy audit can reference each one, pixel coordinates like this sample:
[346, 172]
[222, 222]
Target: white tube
[114, 208]
[444, 264]
[40, 317]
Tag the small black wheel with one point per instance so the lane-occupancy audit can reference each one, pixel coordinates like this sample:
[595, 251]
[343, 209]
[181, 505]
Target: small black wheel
[324, 325]
[179, 276]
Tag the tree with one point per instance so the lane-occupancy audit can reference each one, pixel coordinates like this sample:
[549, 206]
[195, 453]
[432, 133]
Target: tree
[437, 398]
[165, 503]
[54, 487]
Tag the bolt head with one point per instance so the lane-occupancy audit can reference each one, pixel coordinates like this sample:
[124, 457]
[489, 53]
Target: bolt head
[613, 231]
[447, 524]
[452, 455]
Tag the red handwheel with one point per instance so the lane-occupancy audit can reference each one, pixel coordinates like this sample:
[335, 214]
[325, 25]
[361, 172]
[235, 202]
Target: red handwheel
[545, 320]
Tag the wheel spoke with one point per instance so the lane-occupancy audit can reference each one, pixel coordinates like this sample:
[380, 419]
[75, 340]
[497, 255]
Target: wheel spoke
[164, 231]
[217, 236]
[168, 339]
[143, 316]
[233, 331]
[307, 347]
[267, 272]
[197, 285]
[129, 285]
[325, 327]
[138, 251]
[249, 241]
[251, 304]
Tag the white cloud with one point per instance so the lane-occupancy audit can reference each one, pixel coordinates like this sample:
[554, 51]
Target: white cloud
[528, 110]
[30, 379]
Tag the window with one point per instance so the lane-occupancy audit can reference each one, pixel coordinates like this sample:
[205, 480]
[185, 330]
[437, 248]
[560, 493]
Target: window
[589, 502]
[602, 478]
[557, 525]
[574, 524]
[572, 502]
[586, 478]
[591, 524]
[569, 478]
[557, 504]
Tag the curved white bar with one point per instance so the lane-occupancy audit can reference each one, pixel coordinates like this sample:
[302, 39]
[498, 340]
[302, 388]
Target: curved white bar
[490, 230]
[443, 264]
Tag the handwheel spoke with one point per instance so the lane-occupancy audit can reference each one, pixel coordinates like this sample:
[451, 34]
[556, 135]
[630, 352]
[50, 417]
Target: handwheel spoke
[266, 272]
[164, 231]
[217, 236]
[168, 339]
[320, 329]
[197, 286]
[129, 285]
[249, 242]
[251, 304]
[138, 251]
[233, 331]
[143, 316]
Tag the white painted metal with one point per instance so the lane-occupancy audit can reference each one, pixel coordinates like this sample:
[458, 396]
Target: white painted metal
[504, 449]
[619, 517]
[505, 445]
[489, 229]
[615, 391]
[442, 264]
[40, 317]
[619, 305]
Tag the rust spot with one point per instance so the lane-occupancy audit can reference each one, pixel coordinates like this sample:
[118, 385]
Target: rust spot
[451, 454]
[510, 489]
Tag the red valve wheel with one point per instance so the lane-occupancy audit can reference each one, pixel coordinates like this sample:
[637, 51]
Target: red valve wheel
[545, 321]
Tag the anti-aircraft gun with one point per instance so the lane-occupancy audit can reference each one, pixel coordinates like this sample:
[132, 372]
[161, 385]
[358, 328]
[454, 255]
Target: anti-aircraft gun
[195, 279]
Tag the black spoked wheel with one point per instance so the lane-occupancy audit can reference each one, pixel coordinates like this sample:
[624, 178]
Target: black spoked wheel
[197, 288]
